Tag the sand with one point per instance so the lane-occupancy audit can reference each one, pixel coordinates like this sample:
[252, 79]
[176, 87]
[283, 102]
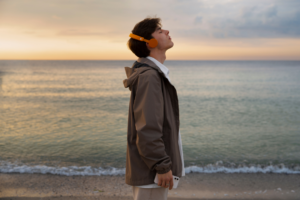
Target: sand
[17, 186]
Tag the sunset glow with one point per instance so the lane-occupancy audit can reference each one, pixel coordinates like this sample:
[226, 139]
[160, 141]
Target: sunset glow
[200, 30]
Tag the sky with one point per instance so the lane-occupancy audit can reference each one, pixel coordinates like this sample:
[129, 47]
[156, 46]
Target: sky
[200, 29]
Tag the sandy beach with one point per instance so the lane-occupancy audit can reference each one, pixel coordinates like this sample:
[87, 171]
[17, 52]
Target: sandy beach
[17, 186]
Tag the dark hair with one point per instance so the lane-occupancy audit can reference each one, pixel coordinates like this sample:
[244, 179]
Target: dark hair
[144, 29]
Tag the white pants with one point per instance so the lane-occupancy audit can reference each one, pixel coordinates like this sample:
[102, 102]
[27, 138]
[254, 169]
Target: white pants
[150, 193]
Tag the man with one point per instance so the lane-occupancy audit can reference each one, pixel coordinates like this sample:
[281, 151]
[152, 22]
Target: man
[153, 138]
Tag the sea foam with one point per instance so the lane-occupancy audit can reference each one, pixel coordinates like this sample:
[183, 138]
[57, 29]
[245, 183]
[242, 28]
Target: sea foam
[7, 167]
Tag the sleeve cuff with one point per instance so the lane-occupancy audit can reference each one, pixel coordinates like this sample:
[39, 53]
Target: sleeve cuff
[163, 171]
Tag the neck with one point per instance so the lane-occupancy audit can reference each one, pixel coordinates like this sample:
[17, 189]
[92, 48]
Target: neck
[160, 56]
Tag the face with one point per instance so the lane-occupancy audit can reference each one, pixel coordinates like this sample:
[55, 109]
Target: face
[164, 40]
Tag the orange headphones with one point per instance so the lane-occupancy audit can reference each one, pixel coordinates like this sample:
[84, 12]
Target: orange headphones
[152, 42]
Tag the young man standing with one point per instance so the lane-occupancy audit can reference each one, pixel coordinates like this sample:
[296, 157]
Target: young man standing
[153, 137]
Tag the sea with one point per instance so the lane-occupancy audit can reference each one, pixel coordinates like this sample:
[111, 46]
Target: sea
[69, 117]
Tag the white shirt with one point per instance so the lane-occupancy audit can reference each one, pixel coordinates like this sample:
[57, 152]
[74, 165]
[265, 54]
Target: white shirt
[165, 70]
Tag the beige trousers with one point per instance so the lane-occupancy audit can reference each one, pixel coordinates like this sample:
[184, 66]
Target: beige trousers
[150, 193]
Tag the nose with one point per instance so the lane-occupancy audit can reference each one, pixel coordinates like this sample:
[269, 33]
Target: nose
[167, 32]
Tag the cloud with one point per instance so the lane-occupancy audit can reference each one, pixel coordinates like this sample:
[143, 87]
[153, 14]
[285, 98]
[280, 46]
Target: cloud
[247, 12]
[245, 19]
[56, 17]
[184, 18]
[198, 20]
[78, 32]
[271, 11]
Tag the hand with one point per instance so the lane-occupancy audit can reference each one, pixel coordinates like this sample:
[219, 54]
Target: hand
[165, 180]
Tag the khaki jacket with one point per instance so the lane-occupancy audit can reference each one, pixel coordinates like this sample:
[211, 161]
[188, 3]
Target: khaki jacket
[153, 124]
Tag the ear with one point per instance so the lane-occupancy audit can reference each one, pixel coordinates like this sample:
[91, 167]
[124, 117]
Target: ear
[148, 46]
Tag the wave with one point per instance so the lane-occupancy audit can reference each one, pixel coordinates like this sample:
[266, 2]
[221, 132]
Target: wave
[6, 167]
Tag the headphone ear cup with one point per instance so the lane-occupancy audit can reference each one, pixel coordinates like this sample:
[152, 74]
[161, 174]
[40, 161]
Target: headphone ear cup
[153, 43]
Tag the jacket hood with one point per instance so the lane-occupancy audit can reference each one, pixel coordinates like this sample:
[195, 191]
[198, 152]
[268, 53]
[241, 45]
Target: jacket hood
[133, 72]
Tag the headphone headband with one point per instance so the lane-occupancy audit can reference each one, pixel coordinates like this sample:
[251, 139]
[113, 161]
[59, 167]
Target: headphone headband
[152, 42]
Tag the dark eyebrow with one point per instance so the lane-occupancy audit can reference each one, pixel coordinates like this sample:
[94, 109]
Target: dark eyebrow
[159, 28]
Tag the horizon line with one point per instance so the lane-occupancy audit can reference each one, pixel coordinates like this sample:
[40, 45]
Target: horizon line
[137, 58]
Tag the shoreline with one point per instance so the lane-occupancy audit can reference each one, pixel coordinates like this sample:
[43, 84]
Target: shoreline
[16, 186]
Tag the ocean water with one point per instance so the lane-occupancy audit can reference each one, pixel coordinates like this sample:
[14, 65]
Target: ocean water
[70, 117]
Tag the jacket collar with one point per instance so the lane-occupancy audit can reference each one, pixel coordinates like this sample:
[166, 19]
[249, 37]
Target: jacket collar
[151, 64]
[133, 73]
[163, 68]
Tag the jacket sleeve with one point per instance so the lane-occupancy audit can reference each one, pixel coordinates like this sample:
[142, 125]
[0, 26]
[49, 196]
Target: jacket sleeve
[148, 108]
